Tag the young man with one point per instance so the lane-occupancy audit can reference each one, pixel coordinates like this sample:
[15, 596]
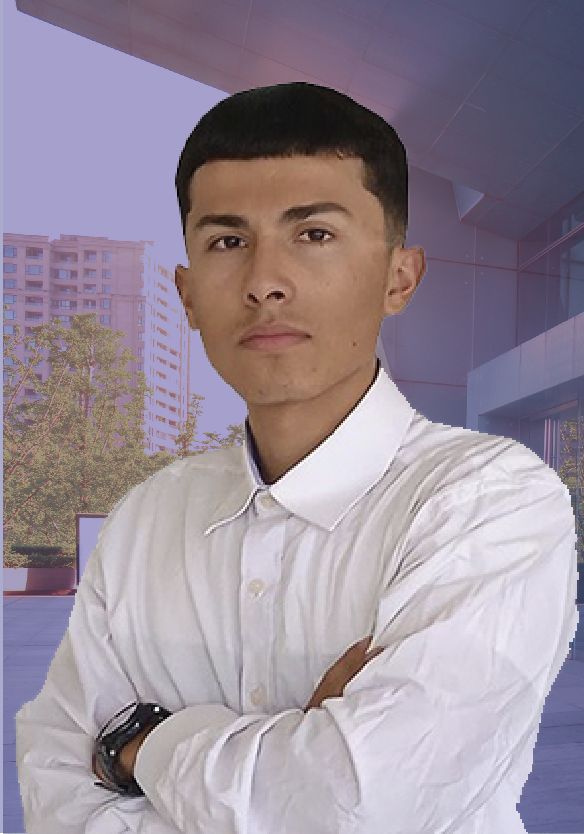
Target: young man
[225, 586]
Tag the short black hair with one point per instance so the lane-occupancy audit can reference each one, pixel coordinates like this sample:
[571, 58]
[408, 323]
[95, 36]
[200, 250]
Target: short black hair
[298, 118]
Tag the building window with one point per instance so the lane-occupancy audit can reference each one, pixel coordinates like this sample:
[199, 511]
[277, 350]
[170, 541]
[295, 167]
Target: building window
[9, 299]
[9, 267]
[141, 305]
[68, 257]
[89, 302]
[140, 319]
[65, 274]
[29, 314]
[9, 314]
[8, 329]
[64, 302]
[10, 283]
[89, 287]
[34, 299]
[90, 255]
[10, 251]
[106, 257]
[64, 319]
[106, 273]
[8, 360]
[33, 270]
[106, 303]
[33, 285]
[140, 366]
[90, 273]
[106, 288]
[106, 319]
[33, 252]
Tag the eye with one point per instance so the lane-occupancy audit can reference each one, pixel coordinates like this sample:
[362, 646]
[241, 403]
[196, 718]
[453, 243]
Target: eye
[212, 245]
[225, 237]
[321, 231]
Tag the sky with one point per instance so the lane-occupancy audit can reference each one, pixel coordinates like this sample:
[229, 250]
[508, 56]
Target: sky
[91, 141]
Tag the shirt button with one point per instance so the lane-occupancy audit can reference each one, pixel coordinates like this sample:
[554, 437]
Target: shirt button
[256, 586]
[257, 696]
[265, 500]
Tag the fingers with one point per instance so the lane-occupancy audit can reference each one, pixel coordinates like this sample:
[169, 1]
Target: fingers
[374, 653]
[360, 644]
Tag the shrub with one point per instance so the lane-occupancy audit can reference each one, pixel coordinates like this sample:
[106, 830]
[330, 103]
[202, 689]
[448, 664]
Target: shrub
[38, 556]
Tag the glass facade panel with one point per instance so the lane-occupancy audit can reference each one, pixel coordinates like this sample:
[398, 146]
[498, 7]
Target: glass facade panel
[550, 290]
[550, 279]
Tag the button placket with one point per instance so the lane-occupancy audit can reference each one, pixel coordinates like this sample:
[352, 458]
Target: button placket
[260, 571]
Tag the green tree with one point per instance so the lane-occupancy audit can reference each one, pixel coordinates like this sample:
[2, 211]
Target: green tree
[571, 472]
[78, 446]
[187, 431]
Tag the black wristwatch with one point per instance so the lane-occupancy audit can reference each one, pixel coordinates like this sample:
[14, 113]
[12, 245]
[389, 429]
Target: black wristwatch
[108, 745]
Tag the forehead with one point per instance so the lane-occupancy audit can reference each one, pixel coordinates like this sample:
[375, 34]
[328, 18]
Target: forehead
[223, 183]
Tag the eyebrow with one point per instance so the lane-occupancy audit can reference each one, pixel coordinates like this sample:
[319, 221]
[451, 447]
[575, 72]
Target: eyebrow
[290, 215]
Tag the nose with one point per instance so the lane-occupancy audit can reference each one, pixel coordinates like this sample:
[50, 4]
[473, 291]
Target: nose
[265, 276]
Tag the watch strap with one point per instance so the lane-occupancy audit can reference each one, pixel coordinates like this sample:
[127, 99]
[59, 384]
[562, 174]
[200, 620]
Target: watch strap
[108, 745]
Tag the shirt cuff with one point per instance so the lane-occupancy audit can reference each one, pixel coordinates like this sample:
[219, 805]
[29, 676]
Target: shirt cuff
[157, 749]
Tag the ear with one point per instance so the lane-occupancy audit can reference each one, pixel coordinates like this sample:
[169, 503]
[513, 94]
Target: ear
[407, 267]
[181, 280]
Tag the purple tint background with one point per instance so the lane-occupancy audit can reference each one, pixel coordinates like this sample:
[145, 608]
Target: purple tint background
[91, 141]
[92, 138]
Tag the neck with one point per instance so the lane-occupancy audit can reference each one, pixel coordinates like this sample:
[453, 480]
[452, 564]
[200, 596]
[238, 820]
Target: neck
[285, 433]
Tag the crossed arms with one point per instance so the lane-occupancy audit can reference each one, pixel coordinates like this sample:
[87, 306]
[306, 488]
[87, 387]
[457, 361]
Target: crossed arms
[420, 739]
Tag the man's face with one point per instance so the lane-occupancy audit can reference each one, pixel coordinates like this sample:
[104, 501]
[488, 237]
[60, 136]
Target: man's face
[330, 275]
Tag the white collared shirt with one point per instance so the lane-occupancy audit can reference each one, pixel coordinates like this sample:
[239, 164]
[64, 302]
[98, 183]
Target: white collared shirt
[226, 601]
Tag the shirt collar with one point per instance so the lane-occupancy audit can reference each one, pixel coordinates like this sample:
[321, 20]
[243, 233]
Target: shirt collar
[324, 486]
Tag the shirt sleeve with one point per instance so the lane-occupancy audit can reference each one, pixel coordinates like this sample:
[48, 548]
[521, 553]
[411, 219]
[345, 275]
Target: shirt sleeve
[85, 686]
[475, 625]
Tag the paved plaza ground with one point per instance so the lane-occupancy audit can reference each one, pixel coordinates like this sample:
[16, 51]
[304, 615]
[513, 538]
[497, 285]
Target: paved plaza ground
[552, 800]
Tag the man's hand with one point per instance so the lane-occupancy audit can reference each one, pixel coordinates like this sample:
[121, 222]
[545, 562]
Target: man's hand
[346, 667]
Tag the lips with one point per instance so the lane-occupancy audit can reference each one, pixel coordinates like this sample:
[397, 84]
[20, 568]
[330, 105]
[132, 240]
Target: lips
[273, 329]
[275, 343]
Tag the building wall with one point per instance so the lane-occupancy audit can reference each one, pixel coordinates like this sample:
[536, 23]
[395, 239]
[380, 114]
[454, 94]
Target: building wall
[165, 336]
[464, 310]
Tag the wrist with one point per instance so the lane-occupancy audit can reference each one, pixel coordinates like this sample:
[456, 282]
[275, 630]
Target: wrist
[129, 753]
[115, 751]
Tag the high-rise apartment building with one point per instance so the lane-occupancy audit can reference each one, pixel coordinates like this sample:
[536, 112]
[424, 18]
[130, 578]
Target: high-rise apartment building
[124, 284]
